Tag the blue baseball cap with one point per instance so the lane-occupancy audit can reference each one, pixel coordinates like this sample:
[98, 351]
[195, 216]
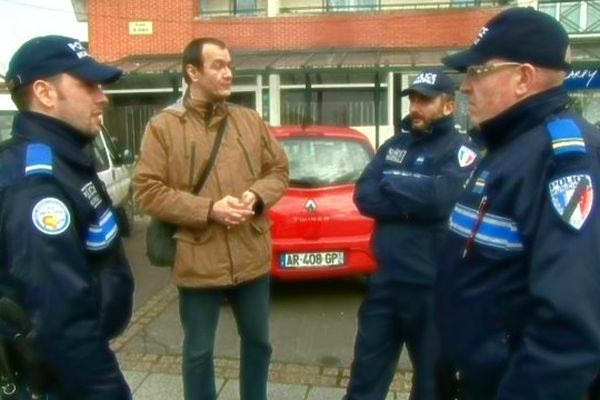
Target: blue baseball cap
[45, 56]
[519, 34]
[431, 83]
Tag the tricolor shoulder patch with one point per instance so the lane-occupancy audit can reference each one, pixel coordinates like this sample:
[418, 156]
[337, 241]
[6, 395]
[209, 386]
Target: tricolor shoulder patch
[466, 156]
[572, 198]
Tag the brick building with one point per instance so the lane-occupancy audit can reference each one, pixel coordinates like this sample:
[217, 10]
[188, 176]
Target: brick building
[339, 62]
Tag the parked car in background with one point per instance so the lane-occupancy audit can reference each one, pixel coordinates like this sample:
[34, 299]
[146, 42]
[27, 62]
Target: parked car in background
[317, 230]
[8, 110]
[115, 169]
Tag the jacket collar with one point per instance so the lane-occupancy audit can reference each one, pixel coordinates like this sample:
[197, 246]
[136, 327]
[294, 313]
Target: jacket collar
[522, 117]
[65, 140]
[204, 109]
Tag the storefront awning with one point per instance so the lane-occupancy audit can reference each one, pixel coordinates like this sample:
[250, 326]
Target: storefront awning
[584, 55]
[261, 62]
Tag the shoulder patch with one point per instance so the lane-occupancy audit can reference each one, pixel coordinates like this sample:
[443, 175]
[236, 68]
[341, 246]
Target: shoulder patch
[51, 216]
[38, 159]
[572, 198]
[465, 156]
[565, 136]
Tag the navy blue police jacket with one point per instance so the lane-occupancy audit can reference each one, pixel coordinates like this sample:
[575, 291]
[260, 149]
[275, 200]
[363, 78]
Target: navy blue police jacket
[519, 278]
[409, 189]
[62, 256]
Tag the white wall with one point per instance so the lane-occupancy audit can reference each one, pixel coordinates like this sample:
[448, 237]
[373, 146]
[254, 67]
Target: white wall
[6, 103]
[528, 3]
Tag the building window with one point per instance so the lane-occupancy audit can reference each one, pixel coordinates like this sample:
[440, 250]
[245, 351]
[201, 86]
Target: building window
[244, 7]
[343, 98]
[465, 3]
[352, 5]
[333, 106]
[217, 8]
[575, 16]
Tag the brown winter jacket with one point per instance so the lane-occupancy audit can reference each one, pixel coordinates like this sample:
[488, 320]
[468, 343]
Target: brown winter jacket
[175, 149]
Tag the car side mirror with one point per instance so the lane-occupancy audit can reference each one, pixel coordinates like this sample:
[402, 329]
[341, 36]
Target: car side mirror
[127, 156]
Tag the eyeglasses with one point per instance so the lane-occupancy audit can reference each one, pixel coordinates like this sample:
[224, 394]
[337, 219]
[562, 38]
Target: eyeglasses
[478, 70]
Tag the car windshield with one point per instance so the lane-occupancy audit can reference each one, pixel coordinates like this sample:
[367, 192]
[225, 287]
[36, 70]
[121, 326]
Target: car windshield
[317, 162]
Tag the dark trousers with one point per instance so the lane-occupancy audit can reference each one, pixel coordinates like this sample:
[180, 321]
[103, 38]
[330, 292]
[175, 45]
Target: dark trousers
[392, 315]
[199, 312]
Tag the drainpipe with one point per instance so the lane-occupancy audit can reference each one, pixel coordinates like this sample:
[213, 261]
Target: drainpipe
[377, 99]
[307, 118]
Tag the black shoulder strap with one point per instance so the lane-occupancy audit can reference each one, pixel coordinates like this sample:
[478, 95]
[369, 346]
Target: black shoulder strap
[213, 155]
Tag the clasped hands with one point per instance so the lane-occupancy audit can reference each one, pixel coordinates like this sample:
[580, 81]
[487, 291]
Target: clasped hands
[231, 211]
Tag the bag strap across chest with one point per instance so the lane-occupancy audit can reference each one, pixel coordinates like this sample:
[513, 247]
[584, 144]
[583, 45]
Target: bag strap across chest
[213, 156]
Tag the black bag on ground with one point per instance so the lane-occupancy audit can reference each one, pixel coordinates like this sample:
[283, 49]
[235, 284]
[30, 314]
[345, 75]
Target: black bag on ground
[160, 244]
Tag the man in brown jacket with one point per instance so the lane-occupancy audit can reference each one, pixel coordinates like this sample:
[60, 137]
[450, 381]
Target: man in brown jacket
[223, 238]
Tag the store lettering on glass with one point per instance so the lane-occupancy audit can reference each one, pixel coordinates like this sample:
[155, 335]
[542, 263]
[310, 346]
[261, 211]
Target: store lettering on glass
[582, 74]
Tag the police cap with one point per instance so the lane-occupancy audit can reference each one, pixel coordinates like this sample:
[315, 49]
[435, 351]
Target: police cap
[45, 56]
[431, 83]
[519, 34]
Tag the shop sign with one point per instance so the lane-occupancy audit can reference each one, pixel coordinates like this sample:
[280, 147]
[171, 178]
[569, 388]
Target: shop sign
[140, 28]
[579, 79]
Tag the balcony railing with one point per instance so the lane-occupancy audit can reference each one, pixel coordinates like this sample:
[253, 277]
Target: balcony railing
[230, 12]
[331, 7]
[578, 17]
[387, 6]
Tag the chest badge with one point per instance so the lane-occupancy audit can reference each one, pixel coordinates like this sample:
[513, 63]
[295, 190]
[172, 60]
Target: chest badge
[395, 155]
[572, 198]
[466, 156]
[51, 216]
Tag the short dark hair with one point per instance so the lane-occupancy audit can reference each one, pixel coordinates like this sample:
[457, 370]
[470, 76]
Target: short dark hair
[447, 96]
[22, 95]
[192, 54]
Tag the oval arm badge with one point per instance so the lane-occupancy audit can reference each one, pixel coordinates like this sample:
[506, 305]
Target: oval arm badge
[51, 216]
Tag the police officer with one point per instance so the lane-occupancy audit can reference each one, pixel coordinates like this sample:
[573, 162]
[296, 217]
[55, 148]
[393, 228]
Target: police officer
[518, 283]
[62, 256]
[409, 189]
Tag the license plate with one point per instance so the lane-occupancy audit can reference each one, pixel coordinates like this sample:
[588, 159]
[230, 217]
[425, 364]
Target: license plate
[308, 260]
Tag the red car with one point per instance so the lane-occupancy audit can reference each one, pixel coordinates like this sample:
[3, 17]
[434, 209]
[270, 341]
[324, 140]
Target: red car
[317, 230]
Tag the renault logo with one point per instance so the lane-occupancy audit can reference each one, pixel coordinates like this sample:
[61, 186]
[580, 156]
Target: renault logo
[310, 206]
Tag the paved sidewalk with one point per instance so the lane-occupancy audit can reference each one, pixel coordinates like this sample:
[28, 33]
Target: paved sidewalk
[155, 376]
